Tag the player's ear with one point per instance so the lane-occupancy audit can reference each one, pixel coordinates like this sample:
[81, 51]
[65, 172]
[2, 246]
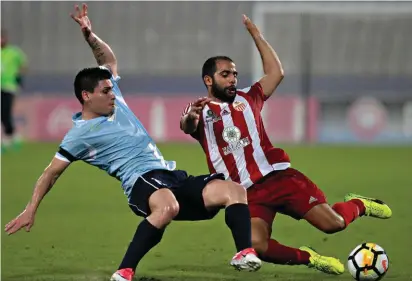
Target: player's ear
[208, 80]
[85, 95]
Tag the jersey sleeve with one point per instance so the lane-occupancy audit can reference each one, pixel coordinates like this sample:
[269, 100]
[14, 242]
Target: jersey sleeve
[255, 92]
[70, 149]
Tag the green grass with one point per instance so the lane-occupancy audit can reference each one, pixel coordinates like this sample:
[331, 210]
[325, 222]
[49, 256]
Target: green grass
[84, 225]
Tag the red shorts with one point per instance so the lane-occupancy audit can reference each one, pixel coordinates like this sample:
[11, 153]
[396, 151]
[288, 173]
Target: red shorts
[288, 192]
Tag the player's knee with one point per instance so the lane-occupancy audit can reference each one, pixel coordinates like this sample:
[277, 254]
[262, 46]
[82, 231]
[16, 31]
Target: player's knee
[237, 192]
[324, 218]
[163, 206]
[171, 210]
[166, 213]
[223, 193]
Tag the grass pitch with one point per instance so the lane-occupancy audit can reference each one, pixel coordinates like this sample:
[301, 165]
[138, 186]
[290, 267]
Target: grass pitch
[84, 224]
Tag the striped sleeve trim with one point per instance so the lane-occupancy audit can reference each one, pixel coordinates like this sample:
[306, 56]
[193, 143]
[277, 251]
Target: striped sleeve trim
[64, 155]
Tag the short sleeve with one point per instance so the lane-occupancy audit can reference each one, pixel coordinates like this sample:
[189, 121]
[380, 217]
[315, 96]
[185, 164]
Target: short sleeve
[70, 149]
[255, 92]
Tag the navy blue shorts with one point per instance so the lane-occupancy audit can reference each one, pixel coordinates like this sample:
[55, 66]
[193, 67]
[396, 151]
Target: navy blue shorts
[188, 191]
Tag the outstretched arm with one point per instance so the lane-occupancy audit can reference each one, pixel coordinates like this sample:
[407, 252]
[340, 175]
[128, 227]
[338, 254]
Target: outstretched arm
[101, 50]
[272, 66]
[42, 187]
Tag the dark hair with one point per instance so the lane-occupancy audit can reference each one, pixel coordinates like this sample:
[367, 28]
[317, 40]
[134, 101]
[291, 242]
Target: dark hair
[88, 78]
[209, 67]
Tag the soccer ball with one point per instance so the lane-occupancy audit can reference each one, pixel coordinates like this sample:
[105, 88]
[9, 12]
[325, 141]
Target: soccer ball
[368, 261]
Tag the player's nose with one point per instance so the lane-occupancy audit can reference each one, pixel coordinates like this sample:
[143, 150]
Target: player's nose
[232, 79]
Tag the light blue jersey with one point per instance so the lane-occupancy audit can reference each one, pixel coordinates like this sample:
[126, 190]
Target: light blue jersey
[118, 144]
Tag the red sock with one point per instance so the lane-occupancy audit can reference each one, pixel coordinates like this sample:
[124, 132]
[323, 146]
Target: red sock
[350, 210]
[280, 254]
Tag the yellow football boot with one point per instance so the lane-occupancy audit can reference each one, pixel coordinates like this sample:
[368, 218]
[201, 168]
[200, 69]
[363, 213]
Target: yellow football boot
[373, 207]
[327, 265]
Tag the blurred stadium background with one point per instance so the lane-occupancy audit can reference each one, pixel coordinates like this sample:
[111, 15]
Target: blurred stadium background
[348, 82]
[348, 65]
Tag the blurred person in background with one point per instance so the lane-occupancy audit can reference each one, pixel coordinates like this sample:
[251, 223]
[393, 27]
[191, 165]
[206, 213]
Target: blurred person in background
[13, 67]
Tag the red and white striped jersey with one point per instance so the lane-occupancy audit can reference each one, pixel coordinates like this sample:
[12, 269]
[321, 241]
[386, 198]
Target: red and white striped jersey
[235, 141]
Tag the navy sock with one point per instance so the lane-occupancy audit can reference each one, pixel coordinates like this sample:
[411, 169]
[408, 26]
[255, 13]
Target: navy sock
[145, 238]
[237, 218]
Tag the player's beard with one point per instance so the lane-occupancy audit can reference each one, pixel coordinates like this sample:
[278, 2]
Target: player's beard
[223, 93]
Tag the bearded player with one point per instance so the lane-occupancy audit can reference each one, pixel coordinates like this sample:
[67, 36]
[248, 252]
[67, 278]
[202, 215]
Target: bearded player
[229, 127]
[106, 134]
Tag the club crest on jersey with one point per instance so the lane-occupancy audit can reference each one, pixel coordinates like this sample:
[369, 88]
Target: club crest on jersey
[239, 106]
[231, 135]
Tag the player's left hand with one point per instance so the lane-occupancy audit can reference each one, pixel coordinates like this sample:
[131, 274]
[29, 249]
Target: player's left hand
[251, 27]
[25, 219]
[197, 107]
[80, 16]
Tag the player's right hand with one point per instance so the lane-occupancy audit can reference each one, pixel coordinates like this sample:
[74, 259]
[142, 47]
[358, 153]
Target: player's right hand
[197, 107]
[251, 27]
[80, 16]
[25, 219]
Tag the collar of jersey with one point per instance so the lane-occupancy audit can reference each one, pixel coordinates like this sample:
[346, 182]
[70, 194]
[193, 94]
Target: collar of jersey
[78, 121]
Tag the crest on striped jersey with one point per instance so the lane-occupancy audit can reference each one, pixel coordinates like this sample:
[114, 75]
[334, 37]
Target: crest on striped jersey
[239, 106]
[231, 134]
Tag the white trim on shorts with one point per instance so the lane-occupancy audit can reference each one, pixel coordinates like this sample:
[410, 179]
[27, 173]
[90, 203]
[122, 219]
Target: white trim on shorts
[138, 209]
[151, 186]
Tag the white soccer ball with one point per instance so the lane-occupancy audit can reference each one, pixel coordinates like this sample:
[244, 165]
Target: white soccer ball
[368, 261]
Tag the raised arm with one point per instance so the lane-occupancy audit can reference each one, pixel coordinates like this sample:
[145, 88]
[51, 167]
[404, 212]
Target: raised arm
[42, 187]
[101, 50]
[272, 66]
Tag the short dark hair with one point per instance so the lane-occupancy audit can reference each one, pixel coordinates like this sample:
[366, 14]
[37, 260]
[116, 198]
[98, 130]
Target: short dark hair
[209, 67]
[88, 78]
